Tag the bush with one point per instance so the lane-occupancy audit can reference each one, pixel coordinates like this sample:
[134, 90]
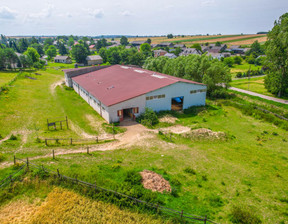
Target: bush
[219, 94]
[189, 170]
[13, 137]
[133, 177]
[239, 75]
[2, 157]
[148, 118]
[244, 215]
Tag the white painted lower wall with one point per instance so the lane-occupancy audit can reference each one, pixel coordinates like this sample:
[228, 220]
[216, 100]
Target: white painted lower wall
[132, 103]
[177, 90]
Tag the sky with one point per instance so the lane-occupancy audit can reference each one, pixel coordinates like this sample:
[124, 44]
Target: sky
[145, 17]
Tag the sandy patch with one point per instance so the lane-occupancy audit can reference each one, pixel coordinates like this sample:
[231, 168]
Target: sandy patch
[154, 181]
[168, 119]
[177, 129]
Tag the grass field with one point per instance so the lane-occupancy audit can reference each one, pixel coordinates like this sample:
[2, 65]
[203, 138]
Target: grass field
[5, 77]
[245, 172]
[254, 84]
[28, 104]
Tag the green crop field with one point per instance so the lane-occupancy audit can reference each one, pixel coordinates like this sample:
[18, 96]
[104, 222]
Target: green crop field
[241, 175]
[254, 84]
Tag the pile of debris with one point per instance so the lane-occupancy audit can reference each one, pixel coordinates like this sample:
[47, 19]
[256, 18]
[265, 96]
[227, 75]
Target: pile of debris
[204, 133]
[154, 181]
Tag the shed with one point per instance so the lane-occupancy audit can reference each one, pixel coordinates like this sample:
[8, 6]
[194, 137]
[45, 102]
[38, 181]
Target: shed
[94, 60]
[117, 92]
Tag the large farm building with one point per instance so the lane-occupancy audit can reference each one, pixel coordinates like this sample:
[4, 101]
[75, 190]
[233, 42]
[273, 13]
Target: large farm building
[117, 91]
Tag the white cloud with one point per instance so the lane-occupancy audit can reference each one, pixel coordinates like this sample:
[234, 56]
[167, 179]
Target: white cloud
[208, 2]
[97, 13]
[67, 15]
[7, 13]
[126, 13]
[45, 13]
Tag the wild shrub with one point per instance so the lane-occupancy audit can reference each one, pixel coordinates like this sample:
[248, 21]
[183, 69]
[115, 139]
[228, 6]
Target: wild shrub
[2, 157]
[244, 215]
[148, 118]
[13, 137]
[189, 171]
[133, 177]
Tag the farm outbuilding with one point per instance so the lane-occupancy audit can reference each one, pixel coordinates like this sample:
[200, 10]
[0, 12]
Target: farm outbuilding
[117, 92]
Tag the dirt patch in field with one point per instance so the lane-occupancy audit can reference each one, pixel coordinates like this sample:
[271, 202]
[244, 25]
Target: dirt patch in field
[177, 129]
[204, 133]
[55, 84]
[17, 212]
[154, 181]
[168, 119]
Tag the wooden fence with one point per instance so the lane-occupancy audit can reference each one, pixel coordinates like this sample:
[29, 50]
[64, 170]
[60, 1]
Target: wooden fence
[71, 141]
[171, 212]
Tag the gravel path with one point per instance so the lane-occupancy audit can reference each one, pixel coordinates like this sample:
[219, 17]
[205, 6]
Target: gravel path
[260, 95]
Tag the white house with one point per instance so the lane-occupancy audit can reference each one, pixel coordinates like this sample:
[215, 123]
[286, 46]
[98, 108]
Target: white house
[117, 92]
[63, 59]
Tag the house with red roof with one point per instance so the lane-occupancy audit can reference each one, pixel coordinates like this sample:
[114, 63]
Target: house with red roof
[117, 92]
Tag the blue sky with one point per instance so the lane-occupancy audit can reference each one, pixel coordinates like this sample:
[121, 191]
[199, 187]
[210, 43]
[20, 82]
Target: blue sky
[145, 17]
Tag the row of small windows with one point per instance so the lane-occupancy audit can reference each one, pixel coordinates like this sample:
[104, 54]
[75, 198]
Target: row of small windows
[155, 97]
[198, 91]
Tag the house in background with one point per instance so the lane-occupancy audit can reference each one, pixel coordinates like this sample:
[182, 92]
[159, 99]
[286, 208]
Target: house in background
[170, 55]
[166, 44]
[92, 47]
[94, 60]
[158, 53]
[62, 59]
[188, 51]
[122, 92]
[137, 43]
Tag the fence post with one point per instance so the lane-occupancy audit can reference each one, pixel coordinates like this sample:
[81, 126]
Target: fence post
[27, 163]
[67, 122]
[58, 173]
[205, 219]
[88, 150]
[97, 139]
[14, 160]
[46, 142]
[53, 154]
[181, 214]
[170, 136]
[47, 124]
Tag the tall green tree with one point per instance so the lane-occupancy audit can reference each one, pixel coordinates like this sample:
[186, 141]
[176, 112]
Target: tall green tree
[51, 52]
[38, 48]
[62, 49]
[79, 53]
[124, 41]
[32, 53]
[277, 57]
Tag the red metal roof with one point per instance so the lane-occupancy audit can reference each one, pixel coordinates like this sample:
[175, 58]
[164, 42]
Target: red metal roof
[119, 83]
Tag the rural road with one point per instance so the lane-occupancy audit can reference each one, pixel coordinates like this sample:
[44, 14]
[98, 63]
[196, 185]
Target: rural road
[259, 95]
